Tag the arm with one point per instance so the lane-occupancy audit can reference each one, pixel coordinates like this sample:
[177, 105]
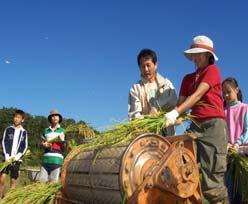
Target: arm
[186, 103]
[181, 100]
[62, 136]
[134, 104]
[244, 137]
[23, 146]
[44, 142]
[5, 146]
[193, 99]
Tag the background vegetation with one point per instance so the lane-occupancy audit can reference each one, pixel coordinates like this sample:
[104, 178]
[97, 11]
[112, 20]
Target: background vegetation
[76, 133]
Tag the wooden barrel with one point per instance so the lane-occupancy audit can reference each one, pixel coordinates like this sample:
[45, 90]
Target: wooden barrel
[111, 175]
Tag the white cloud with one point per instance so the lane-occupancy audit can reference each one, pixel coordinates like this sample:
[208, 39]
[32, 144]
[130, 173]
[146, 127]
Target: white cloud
[7, 62]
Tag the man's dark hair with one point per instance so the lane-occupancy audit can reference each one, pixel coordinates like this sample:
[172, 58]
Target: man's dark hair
[19, 112]
[147, 54]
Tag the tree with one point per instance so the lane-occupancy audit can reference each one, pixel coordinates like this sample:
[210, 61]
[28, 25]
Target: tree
[76, 131]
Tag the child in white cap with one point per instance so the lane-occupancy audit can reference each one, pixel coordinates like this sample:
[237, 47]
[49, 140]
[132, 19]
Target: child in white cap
[53, 142]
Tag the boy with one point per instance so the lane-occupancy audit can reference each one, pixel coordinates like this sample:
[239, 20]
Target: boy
[53, 141]
[152, 92]
[15, 144]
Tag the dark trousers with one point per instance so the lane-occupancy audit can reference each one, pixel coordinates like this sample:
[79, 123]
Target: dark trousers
[211, 142]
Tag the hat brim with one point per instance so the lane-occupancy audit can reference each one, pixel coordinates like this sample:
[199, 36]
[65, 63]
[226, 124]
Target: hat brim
[60, 117]
[188, 53]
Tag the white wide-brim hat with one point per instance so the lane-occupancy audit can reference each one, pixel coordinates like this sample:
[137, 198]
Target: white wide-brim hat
[201, 44]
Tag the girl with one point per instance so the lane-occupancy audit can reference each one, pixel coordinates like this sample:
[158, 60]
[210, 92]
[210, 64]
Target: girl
[201, 92]
[235, 112]
[237, 121]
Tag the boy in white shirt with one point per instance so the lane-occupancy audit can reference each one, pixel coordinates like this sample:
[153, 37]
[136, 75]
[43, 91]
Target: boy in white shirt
[14, 144]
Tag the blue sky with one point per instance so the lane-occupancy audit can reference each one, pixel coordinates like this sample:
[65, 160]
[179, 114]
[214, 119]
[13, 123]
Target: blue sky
[80, 56]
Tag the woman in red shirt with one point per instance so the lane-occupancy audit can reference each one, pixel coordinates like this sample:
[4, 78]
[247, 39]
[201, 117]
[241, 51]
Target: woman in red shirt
[201, 92]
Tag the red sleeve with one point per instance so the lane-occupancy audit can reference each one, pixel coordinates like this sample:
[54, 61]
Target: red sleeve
[184, 87]
[212, 76]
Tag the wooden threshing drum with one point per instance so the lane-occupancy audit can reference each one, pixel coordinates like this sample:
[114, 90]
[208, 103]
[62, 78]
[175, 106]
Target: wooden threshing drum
[151, 169]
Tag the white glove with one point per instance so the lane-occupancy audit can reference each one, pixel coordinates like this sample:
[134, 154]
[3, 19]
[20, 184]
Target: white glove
[171, 118]
[138, 116]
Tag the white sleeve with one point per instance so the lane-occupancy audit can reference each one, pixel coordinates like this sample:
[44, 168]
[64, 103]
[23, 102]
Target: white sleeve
[134, 104]
[6, 155]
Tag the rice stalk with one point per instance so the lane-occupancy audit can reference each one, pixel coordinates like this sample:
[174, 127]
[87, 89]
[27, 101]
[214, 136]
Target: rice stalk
[12, 160]
[36, 193]
[125, 132]
[81, 129]
[240, 165]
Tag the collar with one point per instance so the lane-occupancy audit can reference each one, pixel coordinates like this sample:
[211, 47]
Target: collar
[159, 80]
[201, 70]
[55, 128]
[235, 103]
[21, 128]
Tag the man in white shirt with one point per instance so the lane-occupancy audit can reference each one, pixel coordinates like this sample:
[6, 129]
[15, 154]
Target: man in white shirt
[152, 92]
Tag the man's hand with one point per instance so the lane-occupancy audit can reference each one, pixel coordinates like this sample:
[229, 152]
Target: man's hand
[171, 117]
[153, 111]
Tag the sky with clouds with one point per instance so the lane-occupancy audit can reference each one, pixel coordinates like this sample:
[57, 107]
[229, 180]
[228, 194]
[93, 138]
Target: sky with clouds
[80, 56]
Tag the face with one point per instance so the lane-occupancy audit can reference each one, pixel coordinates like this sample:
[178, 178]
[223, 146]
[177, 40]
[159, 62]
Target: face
[148, 69]
[18, 119]
[55, 120]
[200, 59]
[229, 93]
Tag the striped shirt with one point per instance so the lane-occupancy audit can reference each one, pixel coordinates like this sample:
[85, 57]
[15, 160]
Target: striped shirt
[53, 156]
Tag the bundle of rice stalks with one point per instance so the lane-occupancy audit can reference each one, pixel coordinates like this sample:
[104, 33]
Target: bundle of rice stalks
[239, 165]
[127, 131]
[81, 129]
[12, 160]
[37, 193]
[5, 164]
[54, 140]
